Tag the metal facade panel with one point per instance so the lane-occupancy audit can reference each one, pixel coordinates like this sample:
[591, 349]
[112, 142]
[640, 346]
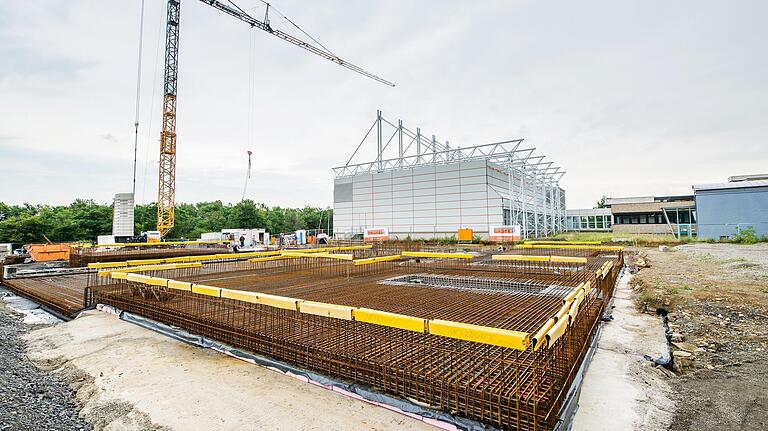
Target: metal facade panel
[721, 213]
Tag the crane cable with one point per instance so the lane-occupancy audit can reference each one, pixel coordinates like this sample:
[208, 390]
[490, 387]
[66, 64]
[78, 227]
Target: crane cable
[251, 105]
[138, 98]
[159, 39]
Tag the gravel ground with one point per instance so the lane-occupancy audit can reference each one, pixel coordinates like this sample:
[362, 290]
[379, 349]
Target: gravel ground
[30, 399]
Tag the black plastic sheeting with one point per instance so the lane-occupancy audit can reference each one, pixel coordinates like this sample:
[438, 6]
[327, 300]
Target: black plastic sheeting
[361, 390]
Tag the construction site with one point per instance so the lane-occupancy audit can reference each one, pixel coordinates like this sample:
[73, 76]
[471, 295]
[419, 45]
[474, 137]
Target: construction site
[436, 284]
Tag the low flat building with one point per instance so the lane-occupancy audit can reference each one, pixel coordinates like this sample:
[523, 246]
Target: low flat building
[674, 215]
[589, 220]
[653, 215]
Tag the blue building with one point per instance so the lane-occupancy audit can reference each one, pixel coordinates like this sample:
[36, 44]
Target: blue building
[724, 208]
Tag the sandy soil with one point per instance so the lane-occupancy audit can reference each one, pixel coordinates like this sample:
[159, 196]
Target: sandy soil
[717, 295]
[623, 391]
[130, 378]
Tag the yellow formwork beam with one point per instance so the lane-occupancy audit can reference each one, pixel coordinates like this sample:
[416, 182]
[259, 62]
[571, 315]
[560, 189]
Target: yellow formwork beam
[563, 242]
[279, 302]
[179, 285]
[575, 247]
[479, 334]
[119, 275]
[392, 320]
[240, 295]
[371, 260]
[137, 278]
[156, 281]
[326, 310]
[322, 255]
[268, 258]
[520, 257]
[353, 247]
[99, 265]
[155, 244]
[556, 331]
[568, 259]
[206, 290]
[539, 338]
[429, 254]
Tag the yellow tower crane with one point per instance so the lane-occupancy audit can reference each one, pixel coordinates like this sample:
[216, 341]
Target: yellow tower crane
[167, 176]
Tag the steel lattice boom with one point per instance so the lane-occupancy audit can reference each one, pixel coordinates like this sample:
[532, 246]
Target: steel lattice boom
[167, 174]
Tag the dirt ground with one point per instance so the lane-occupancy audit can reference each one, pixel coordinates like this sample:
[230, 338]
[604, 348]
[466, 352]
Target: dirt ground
[129, 378]
[717, 296]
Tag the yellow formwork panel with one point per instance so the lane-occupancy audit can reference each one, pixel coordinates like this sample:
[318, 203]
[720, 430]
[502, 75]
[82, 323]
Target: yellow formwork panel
[520, 257]
[279, 301]
[104, 273]
[156, 281]
[326, 310]
[99, 265]
[556, 331]
[392, 320]
[568, 259]
[206, 290]
[180, 285]
[539, 338]
[371, 260]
[240, 295]
[437, 255]
[479, 334]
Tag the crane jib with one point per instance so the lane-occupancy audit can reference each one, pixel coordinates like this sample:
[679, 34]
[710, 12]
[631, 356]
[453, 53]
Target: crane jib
[167, 174]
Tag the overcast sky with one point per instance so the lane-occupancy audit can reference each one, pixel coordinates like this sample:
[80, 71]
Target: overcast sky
[630, 98]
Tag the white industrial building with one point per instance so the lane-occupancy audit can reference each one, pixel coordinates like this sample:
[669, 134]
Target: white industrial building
[427, 189]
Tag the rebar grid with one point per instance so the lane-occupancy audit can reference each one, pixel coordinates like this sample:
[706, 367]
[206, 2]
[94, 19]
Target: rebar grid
[503, 387]
[81, 256]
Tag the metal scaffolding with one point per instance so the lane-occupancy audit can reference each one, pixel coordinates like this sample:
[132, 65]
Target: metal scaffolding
[532, 197]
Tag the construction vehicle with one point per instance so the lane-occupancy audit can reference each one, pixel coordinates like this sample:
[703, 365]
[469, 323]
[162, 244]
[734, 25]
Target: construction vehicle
[167, 175]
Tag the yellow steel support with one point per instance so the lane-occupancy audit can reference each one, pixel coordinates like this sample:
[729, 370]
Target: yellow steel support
[520, 257]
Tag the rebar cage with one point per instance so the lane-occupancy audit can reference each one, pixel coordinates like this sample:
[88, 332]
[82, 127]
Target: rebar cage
[502, 387]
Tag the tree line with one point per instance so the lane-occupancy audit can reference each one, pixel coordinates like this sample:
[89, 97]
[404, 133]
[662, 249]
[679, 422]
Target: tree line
[86, 219]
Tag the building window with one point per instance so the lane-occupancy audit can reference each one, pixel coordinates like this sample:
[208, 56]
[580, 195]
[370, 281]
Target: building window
[600, 222]
[507, 217]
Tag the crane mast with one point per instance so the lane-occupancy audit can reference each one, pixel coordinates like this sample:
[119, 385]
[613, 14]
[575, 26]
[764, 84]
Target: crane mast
[167, 176]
